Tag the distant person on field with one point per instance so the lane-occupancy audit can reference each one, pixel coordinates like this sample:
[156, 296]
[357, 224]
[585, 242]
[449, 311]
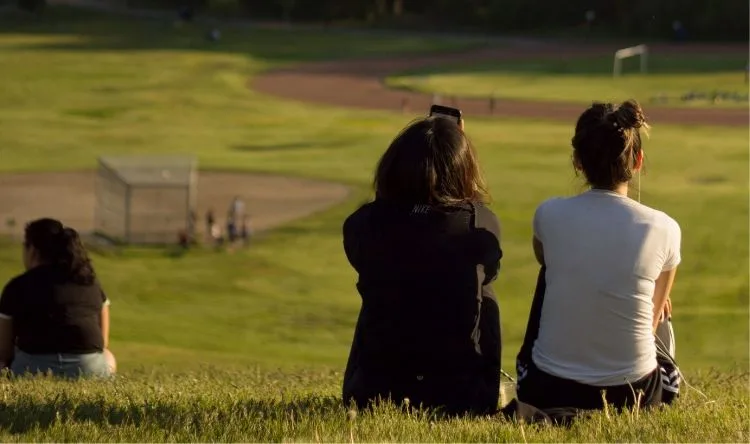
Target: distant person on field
[183, 240]
[55, 317]
[600, 319]
[217, 236]
[186, 13]
[246, 230]
[426, 251]
[236, 210]
[231, 229]
[680, 32]
[210, 221]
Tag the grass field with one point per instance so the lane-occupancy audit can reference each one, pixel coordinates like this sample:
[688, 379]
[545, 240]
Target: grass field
[221, 406]
[590, 78]
[70, 92]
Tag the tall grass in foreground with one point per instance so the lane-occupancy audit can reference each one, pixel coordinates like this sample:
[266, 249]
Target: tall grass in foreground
[255, 406]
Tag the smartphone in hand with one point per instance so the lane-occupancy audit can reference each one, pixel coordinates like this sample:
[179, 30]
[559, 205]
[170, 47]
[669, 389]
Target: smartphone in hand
[446, 112]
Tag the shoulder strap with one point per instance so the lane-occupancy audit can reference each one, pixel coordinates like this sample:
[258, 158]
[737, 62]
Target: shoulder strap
[535, 315]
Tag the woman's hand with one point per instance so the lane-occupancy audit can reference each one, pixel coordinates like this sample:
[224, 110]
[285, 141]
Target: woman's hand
[667, 312]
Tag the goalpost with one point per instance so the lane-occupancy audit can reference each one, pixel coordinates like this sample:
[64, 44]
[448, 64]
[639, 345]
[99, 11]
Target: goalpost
[640, 50]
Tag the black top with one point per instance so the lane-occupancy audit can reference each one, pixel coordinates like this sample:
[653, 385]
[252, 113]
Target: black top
[429, 326]
[51, 314]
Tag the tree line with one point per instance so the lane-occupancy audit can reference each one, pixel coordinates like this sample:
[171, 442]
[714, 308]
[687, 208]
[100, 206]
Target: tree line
[700, 19]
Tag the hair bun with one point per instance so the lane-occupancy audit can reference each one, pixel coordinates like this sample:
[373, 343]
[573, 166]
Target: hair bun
[69, 234]
[629, 115]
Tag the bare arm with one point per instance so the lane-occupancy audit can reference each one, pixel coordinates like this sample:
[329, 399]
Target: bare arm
[538, 251]
[6, 341]
[105, 325]
[661, 294]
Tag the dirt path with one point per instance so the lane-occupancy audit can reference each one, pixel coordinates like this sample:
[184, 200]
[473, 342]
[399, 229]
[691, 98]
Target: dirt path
[359, 84]
[270, 200]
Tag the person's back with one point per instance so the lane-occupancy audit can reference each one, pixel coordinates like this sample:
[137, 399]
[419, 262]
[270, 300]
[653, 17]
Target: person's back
[55, 314]
[608, 263]
[603, 253]
[428, 329]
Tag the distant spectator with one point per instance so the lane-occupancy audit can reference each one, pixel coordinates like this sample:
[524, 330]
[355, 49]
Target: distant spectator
[186, 13]
[55, 317]
[590, 17]
[680, 33]
[231, 230]
[210, 220]
[183, 239]
[214, 35]
[236, 209]
[245, 230]
[217, 237]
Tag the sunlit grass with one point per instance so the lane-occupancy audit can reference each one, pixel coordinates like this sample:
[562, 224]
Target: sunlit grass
[259, 406]
[72, 90]
[584, 80]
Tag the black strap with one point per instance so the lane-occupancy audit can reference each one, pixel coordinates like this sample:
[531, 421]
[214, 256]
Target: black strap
[535, 316]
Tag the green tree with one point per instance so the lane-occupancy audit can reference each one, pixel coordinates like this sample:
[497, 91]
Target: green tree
[31, 5]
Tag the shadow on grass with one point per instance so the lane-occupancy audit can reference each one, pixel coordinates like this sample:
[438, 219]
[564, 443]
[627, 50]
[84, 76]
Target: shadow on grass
[260, 147]
[25, 415]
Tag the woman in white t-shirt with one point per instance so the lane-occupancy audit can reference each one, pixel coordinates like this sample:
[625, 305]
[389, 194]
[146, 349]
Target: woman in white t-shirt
[608, 264]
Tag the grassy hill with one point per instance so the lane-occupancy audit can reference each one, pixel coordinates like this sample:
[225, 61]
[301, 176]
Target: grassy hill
[256, 406]
[76, 85]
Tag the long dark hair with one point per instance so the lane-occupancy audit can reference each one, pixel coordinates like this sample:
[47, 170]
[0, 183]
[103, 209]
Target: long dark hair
[60, 246]
[607, 142]
[430, 162]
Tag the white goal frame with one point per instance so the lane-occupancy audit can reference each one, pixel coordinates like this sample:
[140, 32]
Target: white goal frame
[624, 53]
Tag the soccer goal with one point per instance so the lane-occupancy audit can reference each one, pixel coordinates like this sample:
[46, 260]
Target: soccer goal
[624, 53]
[145, 199]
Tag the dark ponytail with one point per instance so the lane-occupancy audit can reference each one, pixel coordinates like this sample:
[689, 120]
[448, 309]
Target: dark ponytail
[60, 246]
[607, 142]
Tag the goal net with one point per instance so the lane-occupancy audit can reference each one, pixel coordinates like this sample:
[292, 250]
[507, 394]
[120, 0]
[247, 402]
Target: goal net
[625, 53]
[145, 199]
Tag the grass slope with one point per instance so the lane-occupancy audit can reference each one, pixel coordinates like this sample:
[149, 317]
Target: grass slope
[291, 298]
[74, 87]
[583, 80]
[220, 406]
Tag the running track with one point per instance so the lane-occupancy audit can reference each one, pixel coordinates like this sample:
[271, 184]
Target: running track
[359, 84]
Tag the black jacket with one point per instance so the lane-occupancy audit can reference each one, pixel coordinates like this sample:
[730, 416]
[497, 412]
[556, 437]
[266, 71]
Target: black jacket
[429, 326]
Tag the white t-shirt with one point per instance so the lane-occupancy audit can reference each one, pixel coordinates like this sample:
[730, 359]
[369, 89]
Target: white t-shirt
[603, 252]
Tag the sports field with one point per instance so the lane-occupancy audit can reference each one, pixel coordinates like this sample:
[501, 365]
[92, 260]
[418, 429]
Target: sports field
[674, 79]
[75, 86]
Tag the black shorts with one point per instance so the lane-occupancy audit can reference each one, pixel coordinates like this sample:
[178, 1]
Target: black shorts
[545, 391]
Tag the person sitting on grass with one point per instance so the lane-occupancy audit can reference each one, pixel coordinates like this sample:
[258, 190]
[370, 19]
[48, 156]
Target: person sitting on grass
[426, 251]
[54, 318]
[608, 265]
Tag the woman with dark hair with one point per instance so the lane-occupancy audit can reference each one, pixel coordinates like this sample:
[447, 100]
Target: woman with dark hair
[608, 264]
[55, 317]
[426, 251]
